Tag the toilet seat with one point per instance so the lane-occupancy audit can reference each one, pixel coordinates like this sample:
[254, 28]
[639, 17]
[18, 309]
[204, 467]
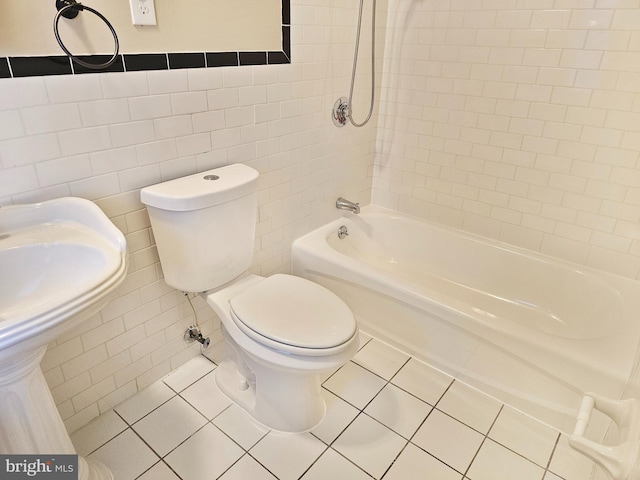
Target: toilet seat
[293, 315]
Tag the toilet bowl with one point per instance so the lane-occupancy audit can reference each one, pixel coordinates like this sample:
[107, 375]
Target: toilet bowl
[274, 360]
[281, 332]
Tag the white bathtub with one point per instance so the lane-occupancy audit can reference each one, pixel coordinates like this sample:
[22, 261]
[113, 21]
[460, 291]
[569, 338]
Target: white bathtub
[532, 331]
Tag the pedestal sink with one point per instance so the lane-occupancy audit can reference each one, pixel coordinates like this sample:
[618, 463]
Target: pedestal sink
[60, 262]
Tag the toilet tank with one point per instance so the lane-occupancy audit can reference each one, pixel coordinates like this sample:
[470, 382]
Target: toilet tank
[204, 226]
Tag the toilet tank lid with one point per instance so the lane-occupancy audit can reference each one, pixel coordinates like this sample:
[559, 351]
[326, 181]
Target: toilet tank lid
[201, 190]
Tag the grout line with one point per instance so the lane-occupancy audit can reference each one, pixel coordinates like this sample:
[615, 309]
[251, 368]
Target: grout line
[116, 435]
[314, 462]
[486, 436]
[553, 452]
[158, 462]
[329, 444]
[262, 465]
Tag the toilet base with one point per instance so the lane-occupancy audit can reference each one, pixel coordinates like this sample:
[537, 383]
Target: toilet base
[280, 390]
[280, 400]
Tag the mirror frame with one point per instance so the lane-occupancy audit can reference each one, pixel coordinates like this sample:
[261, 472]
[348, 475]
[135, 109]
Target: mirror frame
[18, 67]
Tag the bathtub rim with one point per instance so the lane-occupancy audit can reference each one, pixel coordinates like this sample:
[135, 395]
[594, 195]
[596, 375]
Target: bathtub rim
[315, 246]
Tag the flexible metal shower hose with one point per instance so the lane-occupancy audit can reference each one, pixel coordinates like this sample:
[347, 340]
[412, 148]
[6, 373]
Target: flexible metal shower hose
[373, 65]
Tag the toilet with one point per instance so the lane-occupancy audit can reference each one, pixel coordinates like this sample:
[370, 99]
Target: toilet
[280, 332]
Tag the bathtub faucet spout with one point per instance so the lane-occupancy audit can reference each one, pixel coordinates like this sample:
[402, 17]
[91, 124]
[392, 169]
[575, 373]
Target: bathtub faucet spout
[344, 204]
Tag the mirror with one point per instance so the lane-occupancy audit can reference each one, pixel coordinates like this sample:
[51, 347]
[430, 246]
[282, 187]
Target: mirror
[209, 33]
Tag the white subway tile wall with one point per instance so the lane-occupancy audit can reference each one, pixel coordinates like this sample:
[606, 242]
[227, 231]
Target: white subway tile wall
[518, 120]
[514, 119]
[105, 136]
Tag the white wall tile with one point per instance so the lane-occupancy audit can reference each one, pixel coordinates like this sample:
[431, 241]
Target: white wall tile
[154, 152]
[204, 79]
[154, 106]
[30, 91]
[50, 118]
[188, 102]
[11, 124]
[118, 132]
[558, 82]
[508, 112]
[84, 140]
[124, 85]
[113, 160]
[104, 112]
[95, 187]
[76, 88]
[132, 133]
[171, 81]
[27, 150]
[223, 98]
[63, 170]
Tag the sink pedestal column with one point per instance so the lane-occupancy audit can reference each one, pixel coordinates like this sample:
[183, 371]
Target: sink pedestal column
[29, 420]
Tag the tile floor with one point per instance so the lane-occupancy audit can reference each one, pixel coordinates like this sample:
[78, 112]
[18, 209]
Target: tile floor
[389, 417]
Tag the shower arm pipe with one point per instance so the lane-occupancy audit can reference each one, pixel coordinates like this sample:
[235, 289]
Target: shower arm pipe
[355, 63]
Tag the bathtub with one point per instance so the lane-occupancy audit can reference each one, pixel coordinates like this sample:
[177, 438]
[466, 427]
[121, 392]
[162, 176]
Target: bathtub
[533, 331]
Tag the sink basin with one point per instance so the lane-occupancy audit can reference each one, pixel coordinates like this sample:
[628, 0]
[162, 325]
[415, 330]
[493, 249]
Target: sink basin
[43, 278]
[60, 261]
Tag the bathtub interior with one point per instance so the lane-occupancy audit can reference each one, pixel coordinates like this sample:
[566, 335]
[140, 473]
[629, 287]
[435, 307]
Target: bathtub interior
[530, 290]
[516, 339]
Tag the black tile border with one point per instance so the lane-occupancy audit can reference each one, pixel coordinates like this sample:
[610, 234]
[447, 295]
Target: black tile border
[222, 59]
[187, 60]
[5, 72]
[32, 66]
[116, 66]
[17, 67]
[146, 61]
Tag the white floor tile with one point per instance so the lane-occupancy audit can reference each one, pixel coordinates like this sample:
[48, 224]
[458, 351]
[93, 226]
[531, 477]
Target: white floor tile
[448, 440]
[189, 373]
[205, 455]
[247, 469]
[470, 407]
[366, 444]
[416, 464]
[287, 456]
[355, 384]
[495, 462]
[98, 432]
[400, 411]
[332, 465]
[144, 402]
[381, 359]
[423, 381]
[551, 476]
[240, 426]
[370, 445]
[364, 338]
[536, 445]
[568, 463]
[339, 415]
[169, 425]
[206, 397]
[325, 375]
[159, 471]
[126, 456]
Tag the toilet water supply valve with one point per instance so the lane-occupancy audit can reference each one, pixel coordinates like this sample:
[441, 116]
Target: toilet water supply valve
[193, 334]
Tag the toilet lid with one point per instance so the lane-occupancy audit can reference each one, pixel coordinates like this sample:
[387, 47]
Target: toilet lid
[293, 311]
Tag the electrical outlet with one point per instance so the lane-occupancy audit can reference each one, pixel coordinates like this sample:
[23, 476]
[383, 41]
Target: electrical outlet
[143, 12]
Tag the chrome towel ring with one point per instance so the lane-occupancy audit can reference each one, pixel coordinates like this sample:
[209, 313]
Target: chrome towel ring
[70, 9]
